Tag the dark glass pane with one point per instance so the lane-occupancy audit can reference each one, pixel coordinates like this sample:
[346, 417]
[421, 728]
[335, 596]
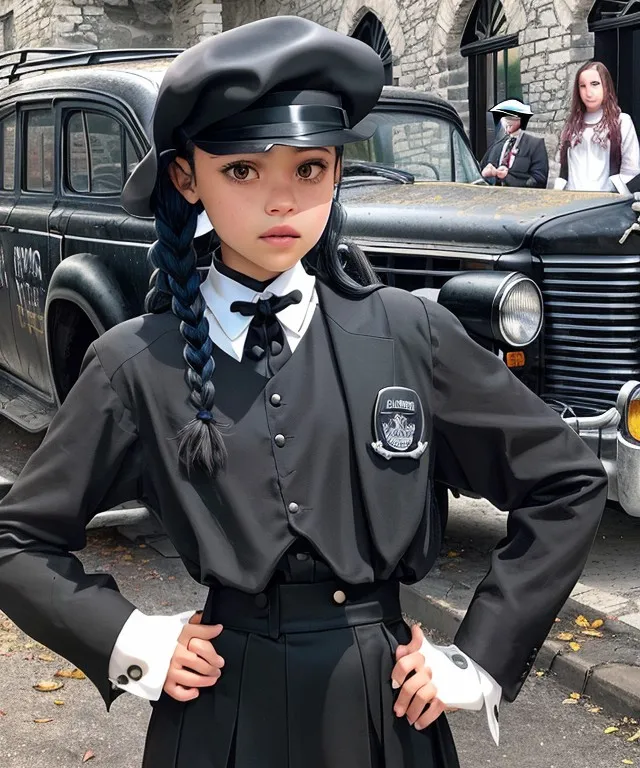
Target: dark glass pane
[106, 152]
[40, 149]
[77, 159]
[514, 83]
[131, 158]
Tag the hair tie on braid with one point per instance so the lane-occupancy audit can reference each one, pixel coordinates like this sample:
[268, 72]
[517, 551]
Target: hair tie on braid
[205, 416]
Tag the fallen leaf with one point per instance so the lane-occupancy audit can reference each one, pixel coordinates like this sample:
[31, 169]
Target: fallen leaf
[557, 621]
[76, 674]
[43, 720]
[453, 553]
[575, 646]
[564, 636]
[611, 729]
[569, 701]
[2, 713]
[127, 557]
[540, 673]
[46, 686]
[28, 646]
[592, 633]
[44, 657]
[627, 762]
[594, 709]
[575, 696]
[597, 624]
[635, 736]
[58, 702]
[88, 755]
[583, 621]
[142, 546]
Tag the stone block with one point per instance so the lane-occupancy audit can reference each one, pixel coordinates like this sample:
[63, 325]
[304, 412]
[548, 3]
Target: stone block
[582, 41]
[532, 34]
[92, 10]
[558, 58]
[547, 18]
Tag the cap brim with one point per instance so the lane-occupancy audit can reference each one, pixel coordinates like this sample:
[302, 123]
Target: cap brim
[138, 190]
[136, 195]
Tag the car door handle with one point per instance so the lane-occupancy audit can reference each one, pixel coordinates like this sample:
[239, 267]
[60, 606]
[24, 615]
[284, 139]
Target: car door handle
[7, 228]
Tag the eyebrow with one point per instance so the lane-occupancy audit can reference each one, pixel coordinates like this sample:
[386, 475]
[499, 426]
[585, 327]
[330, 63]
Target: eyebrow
[312, 149]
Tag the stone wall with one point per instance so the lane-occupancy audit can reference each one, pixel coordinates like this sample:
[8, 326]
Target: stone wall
[194, 20]
[425, 40]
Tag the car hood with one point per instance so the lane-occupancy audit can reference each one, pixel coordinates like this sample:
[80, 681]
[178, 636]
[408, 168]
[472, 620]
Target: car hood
[454, 215]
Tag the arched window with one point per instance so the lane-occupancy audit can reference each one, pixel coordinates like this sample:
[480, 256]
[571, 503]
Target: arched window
[616, 28]
[371, 31]
[494, 67]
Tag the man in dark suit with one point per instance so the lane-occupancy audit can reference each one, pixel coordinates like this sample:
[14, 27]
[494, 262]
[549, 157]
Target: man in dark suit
[518, 159]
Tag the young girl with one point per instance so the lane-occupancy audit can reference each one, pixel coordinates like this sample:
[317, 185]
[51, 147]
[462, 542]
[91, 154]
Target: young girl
[598, 141]
[291, 459]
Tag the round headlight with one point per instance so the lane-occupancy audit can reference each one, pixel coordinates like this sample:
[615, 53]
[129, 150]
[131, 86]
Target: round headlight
[519, 311]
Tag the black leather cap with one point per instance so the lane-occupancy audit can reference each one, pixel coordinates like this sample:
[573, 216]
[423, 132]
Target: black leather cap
[282, 80]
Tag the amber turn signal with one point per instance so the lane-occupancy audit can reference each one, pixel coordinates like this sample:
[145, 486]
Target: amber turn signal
[515, 359]
[633, 419]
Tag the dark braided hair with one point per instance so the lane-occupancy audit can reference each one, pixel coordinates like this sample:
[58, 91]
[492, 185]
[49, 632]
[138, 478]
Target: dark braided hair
[174, 258]
[175, 285]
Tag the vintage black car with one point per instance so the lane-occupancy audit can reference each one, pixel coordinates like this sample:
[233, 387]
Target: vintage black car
[538, 276]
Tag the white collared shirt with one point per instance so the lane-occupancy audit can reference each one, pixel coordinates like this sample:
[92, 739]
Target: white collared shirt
[228, 330]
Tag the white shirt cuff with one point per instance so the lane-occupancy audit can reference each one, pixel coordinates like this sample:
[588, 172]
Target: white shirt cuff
[463, 684]
[143, 651]
[560, 183]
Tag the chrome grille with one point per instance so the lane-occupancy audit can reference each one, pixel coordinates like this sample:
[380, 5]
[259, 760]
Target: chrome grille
[592, 329]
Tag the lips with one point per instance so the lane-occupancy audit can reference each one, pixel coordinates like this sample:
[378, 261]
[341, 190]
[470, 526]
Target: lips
[280, 232]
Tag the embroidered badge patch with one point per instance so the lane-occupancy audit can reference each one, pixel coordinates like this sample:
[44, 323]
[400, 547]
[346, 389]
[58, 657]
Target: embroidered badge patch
[398, 424]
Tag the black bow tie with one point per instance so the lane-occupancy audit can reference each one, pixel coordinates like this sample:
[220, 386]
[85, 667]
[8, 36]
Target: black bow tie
[264, 329]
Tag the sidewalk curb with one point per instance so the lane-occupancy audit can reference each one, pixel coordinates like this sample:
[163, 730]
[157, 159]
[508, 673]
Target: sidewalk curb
[614, 686]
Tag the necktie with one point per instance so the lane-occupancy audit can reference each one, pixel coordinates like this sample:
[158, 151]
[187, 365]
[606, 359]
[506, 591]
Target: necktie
[509, 151]
[265, 337]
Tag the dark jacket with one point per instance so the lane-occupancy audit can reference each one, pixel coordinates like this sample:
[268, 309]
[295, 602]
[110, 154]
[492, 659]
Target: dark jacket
[530, 167]
[111, 441]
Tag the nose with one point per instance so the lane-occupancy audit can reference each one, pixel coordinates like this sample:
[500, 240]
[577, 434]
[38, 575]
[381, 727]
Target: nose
[280, 199]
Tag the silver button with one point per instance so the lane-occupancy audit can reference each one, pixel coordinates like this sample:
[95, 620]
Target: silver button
[302, 556]
[275, 399]
[339, 597]
[293, 508]
[280, 440]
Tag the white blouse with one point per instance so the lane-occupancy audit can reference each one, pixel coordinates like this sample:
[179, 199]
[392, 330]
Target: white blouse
[588, 162]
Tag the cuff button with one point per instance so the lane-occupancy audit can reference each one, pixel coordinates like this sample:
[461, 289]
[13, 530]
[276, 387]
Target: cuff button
[122, 679]
[134, 672]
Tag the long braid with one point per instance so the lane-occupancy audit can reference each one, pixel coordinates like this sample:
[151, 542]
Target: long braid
[200, 442]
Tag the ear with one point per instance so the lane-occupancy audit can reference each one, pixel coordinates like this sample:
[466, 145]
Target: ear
[183, 180]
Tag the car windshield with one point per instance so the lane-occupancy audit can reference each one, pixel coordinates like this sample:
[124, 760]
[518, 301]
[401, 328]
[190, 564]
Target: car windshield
[424, 147]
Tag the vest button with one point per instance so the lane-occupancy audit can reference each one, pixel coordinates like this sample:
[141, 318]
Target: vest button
[293, 508]
[261, 601]
[339, 597]
[275, 399]
[302, 556]
[280, 440]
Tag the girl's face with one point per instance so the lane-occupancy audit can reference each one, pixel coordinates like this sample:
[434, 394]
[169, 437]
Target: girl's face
[268, 209]
[591, 89]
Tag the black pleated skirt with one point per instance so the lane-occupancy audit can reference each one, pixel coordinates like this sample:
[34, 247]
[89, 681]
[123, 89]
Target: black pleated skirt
[306, 684]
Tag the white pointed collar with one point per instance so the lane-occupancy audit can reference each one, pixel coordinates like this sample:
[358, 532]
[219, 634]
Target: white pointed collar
[229, 329]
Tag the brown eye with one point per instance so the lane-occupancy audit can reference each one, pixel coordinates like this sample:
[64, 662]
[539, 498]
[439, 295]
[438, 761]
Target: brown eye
[241, 172]
[305, 171]
[310, 171]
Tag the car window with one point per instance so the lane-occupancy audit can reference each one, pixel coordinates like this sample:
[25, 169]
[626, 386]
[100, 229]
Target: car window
[8, 135]
[100, 154]
[419, 144]
[466, 168]
[39, 147]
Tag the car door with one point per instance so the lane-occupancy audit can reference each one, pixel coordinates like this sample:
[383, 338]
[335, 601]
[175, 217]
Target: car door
[30, 259]
[8, 351]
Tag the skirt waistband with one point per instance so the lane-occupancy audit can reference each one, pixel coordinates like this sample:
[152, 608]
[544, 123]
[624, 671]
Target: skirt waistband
[294, 608]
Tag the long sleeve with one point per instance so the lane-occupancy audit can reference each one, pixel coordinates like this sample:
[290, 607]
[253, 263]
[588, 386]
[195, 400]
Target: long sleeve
[86, 463]
[141, 656]
[496, 438]
[630, 164]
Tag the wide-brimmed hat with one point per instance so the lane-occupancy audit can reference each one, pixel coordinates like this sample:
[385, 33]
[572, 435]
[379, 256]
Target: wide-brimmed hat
[283, 80]
[513, 108]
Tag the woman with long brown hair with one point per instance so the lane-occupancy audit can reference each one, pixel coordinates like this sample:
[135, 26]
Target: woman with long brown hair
[598, 141]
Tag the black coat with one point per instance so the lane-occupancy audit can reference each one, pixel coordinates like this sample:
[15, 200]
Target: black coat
[530, 167]
[109, 443]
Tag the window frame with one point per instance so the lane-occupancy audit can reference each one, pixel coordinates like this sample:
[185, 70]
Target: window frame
[85, 107]
[22, 150]
[7, 112]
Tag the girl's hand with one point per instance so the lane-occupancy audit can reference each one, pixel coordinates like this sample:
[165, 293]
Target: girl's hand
[489, 171]
[502, 172]
[195, 663]
[416, 692]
